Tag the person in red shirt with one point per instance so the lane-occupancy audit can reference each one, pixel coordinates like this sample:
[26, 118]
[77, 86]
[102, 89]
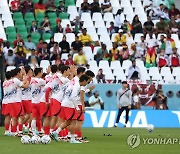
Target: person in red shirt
[69, 61]
[18, 41]
[173, 11]
[174, 58]
[15, 5]
[68, 29]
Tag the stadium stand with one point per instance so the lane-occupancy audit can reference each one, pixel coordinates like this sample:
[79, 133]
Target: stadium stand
[98, 28]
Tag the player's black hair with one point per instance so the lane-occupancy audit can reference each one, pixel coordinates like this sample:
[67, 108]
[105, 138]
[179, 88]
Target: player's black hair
[16, 71]
[64, 68]
[53, 68]
[90, 73]
[27, 68]
[83, 78]
[37, 70]
[59, 67]
[80, 70]
[8, 75]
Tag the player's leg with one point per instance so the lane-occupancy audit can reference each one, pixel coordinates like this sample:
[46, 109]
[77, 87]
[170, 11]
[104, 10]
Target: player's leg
[34, 119]
[7, 120]
[127, 116]
[118, 116]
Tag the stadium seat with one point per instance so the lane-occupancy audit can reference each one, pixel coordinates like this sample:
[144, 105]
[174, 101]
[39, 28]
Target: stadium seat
[108, 17]
[96, 48]
[92, 64]
[90, 29]
[136, 3]
[137, 37]
[44, 64]
[72, 10]
[65, 22]
[35, 37]
[70, 37]
[96, 16]
[63, 15]
[126, 64]
[115, 9]
[125, 3]
[176, 71]
[69, 3]
[115, 64]
[102, 30]
[40, 17]
[104, 64]
[29, 16]
[88, 23]
[64, 56]
[17, 15]
[73, 16]
[165, 71]
[58, 37]
[94, 36]
[87, 49]
[119, 74]
[46, 36]
[78, 3]
[6, 15]
[10, 29]
[128, 10]
[139, 63]
[115, 3]
[105, 38]
[85, 16]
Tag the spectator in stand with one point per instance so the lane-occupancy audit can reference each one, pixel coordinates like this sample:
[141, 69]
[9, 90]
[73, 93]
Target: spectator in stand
[165, 14]
[161, 42]
[80, 59]
[44, 52]
[100, 76]
[134, 53]
[136, 26]
[161, 101]
[95, 7]
[85, 6]
[77, 24]
[119, 18]
[157, 12]
[111, 29]
[148, 6]
[50, 6]
[162, 59]
[61, 8]
[54, 51]
[174, 59]
[127, 27]
[96, 101]
[33, 59]
[6, 48]
[173, 11]
[161, 26]
[120, 38]
[58, 59]
[33, 28]
[29, 45]
[85, 38]
[27, 6]
[76, 45]
[136, 104]
[59, 28]
[64, 45]
[113, 52]
[141, 47]
[164, 2]
[123, 54]
[15, 5]
[169, 44]
[45, 26]
[68, 29]
[106, 6]
[69, 61]
[18, 41]
[20, 60]
[40, 45]
[134, 71]
[148, 26]
[101, 53]
[10, 58]
[174, 26]
[51, 43]
[150, 54]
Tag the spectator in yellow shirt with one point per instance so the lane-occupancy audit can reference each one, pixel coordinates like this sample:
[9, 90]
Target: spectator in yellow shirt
[120, 38]
[85, 38]
[80, 59]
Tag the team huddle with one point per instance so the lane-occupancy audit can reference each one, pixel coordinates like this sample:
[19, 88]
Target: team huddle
[51, 104]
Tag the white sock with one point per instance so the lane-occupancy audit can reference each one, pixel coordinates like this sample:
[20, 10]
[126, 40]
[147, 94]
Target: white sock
[58, 130]
[51, 130]
[69, 134]
[72, 137]
[33, 125]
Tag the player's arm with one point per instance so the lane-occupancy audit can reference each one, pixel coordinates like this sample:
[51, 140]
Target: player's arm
[89, 89]
[82, 100]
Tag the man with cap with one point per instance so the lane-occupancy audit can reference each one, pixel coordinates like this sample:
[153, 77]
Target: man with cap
[96, 101]
[124, 100]
[120, 38]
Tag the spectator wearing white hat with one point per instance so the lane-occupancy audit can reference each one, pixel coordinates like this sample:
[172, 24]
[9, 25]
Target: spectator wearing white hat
[96, 101]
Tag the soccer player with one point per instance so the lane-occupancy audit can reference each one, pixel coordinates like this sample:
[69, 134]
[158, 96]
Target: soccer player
[5, 101]
[80, 116]
[69, 105]
[16, 108]
[37, 85]
[26, 98]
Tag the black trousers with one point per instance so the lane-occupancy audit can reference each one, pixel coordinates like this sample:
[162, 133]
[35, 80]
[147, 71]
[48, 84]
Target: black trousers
[121, 111]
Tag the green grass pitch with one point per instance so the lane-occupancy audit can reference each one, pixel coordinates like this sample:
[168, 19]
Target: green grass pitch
[99, 144]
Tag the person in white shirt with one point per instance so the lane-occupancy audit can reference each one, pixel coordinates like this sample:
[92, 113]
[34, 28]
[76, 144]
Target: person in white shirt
[106, 6]
[37, 85]
[96, 101]
[119, 19]
[135, 100]
[16, 108]
[5, 102]
[69, 105]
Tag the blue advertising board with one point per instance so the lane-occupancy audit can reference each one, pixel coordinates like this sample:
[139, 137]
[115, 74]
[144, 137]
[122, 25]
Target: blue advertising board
[137, 118]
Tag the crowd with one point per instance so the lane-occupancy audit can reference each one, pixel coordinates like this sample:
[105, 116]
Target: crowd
[155, 47]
